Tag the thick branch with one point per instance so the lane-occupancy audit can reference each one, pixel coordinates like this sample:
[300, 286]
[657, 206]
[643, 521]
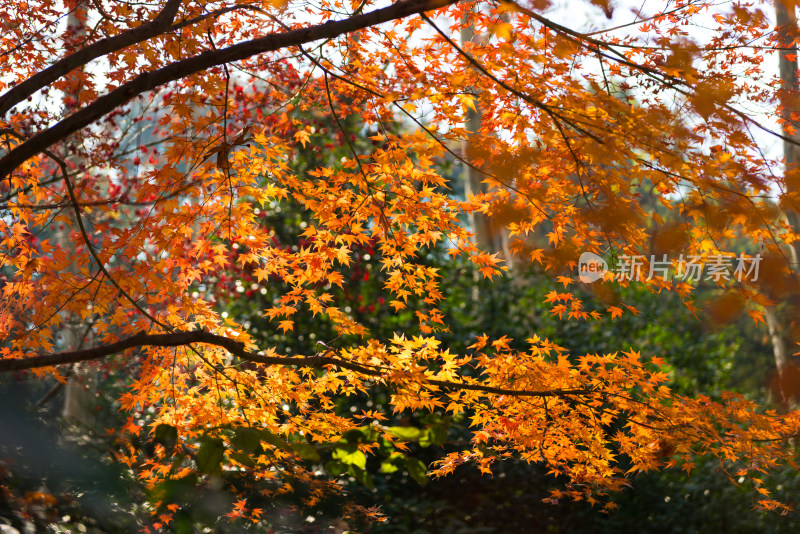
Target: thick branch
[83, 56]
[237, 348]
[180, 69]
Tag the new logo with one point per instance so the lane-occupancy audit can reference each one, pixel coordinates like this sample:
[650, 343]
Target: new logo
[591, 267]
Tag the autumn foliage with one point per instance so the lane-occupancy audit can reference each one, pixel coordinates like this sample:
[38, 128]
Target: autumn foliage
[140, 143]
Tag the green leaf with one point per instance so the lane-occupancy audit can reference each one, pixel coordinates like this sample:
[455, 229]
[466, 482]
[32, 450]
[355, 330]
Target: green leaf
[417, 470]
[179, 489]
[363, 477]
[247, 440]
[274, 440]
[243, 458]
[348, 457]
[176, 462]
[386, 448]
[306, 452]
[209, 457]
[388, 467]
[406, 433]
[362, 434]
[335, 468]
[438, 434]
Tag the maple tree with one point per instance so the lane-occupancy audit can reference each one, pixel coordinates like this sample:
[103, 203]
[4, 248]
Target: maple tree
[580, 136]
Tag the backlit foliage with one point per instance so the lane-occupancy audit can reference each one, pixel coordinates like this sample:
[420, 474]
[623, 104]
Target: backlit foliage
[141, 142]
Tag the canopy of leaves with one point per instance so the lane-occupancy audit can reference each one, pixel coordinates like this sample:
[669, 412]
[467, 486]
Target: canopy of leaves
[143, 144]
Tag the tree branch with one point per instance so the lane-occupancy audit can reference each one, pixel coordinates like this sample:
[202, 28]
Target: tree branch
[237, 348]
[180, 69]
[83, 56]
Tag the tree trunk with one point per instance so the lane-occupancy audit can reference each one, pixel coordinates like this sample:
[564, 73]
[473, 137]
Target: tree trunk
[783, 328]
[489, 235]
[78, 406]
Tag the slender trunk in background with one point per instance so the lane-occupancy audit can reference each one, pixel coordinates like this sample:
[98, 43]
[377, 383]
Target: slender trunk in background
[781, 319]
[786, 21]
[488, 235]
[79, 402]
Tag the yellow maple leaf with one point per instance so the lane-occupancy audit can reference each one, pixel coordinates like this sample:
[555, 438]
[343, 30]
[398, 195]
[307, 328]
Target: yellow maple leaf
[303, 137]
